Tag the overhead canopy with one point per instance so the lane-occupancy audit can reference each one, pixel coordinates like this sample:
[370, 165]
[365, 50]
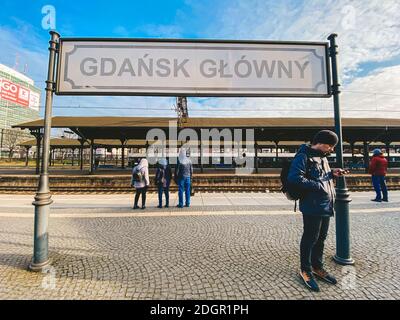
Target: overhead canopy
[266, 129]
[75, 143]
[55, 143]
[63, 143]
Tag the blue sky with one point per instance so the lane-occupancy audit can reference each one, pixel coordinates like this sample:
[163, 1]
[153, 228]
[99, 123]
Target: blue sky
[369, 46]
[117, 18]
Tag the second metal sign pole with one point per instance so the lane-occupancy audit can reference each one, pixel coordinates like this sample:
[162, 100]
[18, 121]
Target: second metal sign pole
[343, 200]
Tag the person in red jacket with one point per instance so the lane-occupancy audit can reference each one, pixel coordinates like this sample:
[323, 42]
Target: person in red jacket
[378, 169]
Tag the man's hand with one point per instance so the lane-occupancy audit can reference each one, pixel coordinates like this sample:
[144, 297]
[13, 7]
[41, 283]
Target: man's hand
[339, 172]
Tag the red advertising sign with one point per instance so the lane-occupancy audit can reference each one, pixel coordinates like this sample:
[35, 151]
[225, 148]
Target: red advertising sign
[14, 92]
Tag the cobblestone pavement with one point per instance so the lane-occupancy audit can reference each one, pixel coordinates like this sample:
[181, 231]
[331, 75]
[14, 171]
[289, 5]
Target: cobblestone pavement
[226, 246]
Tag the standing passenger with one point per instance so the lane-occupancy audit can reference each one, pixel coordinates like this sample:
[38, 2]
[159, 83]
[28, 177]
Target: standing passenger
[183, 177]
[310, 173]
[378, 169]
[140, 180]
[163, 181]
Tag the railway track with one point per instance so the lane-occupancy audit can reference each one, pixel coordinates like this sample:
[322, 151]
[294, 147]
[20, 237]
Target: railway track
[110, 190]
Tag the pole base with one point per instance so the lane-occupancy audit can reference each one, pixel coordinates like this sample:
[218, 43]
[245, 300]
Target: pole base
[39, 267]
[342, 261]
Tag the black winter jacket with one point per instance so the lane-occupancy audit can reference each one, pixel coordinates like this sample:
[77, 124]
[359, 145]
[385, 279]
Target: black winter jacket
[310, 172]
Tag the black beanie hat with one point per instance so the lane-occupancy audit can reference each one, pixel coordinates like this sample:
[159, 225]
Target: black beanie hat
[326, 137]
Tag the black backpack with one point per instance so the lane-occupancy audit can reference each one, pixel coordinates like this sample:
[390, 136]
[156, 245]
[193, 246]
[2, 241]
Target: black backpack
[160, 177]
[137, 176]
[291, 191]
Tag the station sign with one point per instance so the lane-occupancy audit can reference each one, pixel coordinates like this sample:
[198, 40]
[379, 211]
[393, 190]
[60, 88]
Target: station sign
[192, 68]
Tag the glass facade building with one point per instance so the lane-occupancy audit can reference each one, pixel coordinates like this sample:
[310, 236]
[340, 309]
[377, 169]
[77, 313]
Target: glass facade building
[19, 102]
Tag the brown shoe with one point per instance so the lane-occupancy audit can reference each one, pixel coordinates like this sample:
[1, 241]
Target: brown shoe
[309, 281]
[324, 275]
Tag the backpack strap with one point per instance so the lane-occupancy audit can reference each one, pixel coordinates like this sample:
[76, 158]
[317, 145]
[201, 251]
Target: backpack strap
[307, 175]
[308, 166]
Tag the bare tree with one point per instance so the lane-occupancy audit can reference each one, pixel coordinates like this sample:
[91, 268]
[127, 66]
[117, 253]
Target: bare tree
[11, 140]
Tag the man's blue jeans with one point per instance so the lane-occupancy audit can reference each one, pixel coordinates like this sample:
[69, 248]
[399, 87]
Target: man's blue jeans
[162, 190]
[184, 185]
[379, 184]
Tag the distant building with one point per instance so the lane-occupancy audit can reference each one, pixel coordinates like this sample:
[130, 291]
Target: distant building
[19, 102]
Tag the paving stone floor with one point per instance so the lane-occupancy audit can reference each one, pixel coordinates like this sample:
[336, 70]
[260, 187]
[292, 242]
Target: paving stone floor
[226, 246]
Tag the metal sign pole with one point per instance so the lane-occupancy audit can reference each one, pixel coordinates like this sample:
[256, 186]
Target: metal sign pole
[43, 200]
[342, 193]
[1, 144]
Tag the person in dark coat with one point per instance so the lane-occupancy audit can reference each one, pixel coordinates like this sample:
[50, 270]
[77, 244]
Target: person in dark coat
[311, 175]
[378, 169]
[163, 181]
[183, 178]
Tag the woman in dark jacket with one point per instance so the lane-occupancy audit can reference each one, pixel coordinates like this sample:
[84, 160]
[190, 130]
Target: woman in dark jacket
[163, 181]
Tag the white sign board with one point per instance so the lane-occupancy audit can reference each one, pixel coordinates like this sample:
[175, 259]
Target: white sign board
[192, 68]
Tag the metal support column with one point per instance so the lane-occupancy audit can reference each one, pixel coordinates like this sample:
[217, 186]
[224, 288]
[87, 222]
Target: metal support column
[81, 153]
[1, 143]
[123, 141]
[366, 156]
[147, 149]
[38, 135]
[73, 157]
[201, 155]
[51, 159]
[27, 156]
[343, 255]
[256, 155]
[276, 151]
[91, 157]
[353, 160]
[387, 144]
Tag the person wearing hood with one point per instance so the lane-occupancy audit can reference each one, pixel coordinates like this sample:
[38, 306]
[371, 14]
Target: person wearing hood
[163, 181]
[311, 175]
[378, 169]
[183, 177]
[140, 180]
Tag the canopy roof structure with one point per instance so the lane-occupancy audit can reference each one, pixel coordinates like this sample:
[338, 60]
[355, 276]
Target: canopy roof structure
[62, 143]
[266, 129]
[55, 143]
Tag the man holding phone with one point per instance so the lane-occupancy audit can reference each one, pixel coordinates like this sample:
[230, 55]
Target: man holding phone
[311, 174]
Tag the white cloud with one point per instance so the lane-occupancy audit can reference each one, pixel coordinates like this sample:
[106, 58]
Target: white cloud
[377, 92]
[375, 95]
[16, 43]
[25, 42]
[368, 32]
